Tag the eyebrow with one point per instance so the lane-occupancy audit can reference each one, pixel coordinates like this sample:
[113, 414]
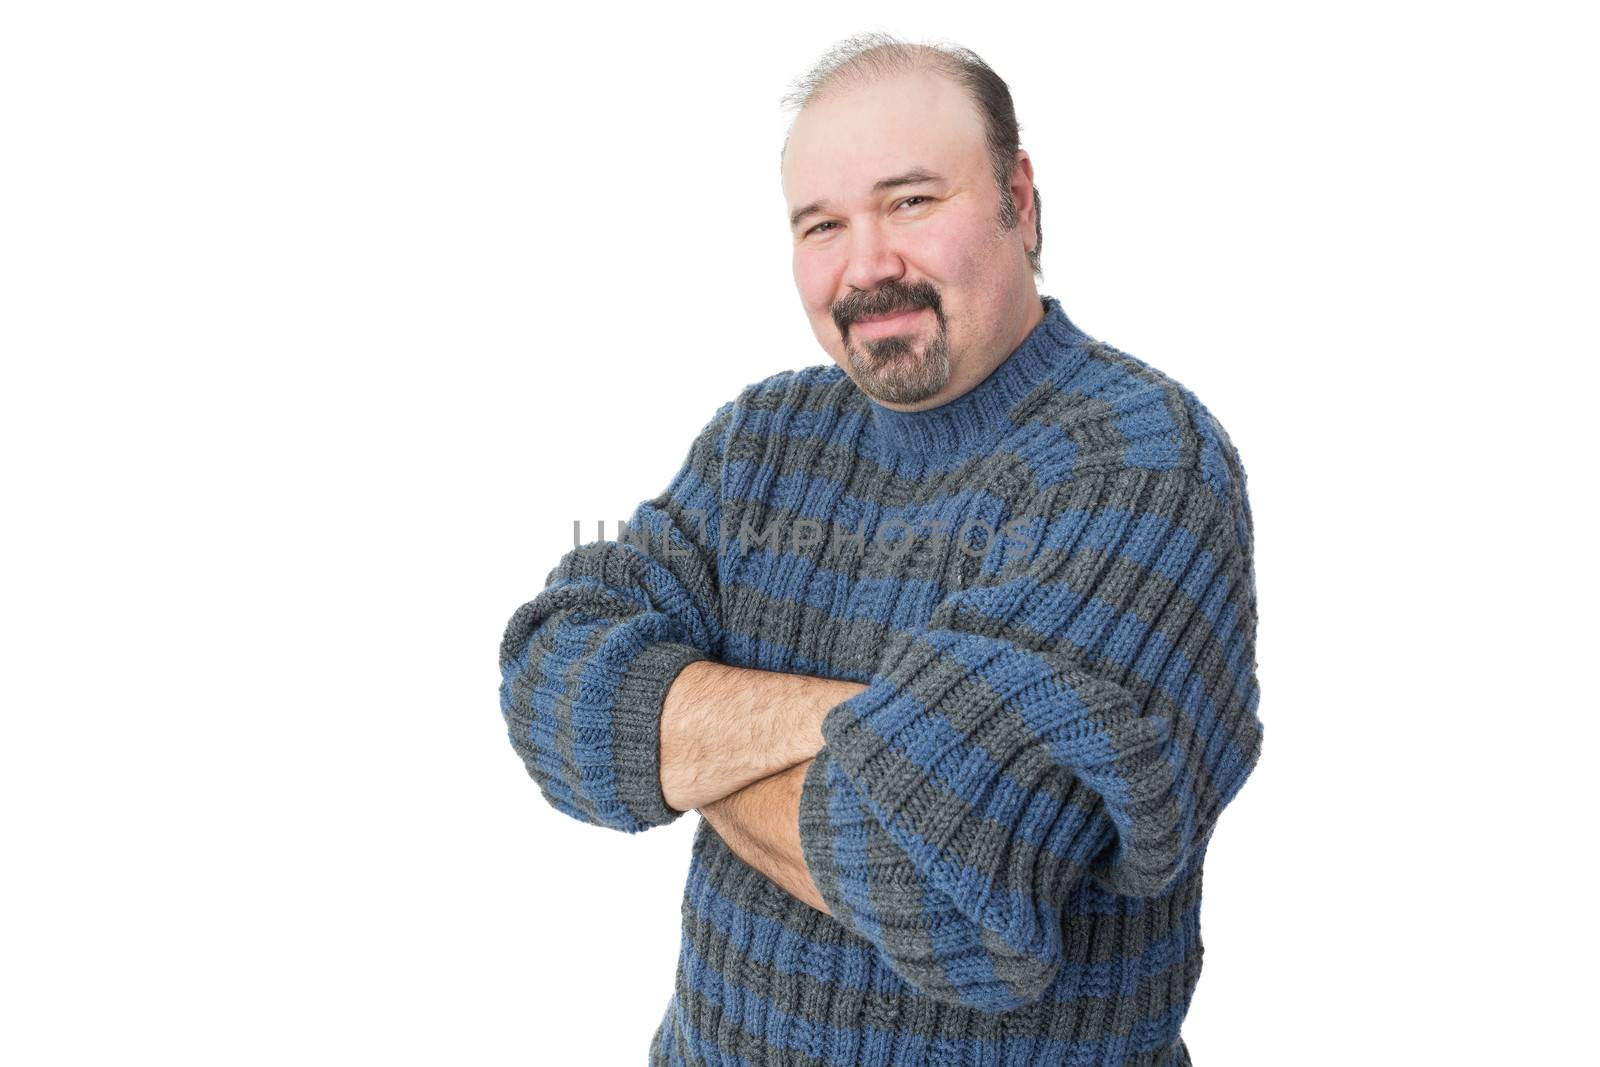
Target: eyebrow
[914, 176]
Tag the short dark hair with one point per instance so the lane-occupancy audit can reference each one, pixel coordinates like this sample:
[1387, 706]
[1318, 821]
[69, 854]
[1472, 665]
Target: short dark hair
[867, 57]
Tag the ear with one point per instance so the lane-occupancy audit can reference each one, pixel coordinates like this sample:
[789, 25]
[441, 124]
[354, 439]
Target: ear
[1022, 196]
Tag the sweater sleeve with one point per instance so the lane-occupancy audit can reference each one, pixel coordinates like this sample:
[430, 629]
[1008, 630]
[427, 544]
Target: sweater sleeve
[586, 664]
[1083, 712]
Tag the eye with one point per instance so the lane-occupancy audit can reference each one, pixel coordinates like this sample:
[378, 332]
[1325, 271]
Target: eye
[821, 227]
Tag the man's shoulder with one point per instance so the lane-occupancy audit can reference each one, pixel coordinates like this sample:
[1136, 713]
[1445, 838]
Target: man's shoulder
[1118, 411]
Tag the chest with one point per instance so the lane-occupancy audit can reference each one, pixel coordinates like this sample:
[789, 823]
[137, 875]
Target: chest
[822, 558]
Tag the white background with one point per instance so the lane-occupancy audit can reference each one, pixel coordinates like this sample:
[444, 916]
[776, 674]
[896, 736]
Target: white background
[323, 321]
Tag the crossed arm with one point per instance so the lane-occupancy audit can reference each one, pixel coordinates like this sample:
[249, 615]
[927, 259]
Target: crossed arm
[736, 744]
[1083, 713]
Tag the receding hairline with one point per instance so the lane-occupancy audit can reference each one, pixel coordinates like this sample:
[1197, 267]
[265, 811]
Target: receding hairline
[861, 61]
[865, 60]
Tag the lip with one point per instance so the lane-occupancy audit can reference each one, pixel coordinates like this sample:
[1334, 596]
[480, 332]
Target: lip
[887, 324]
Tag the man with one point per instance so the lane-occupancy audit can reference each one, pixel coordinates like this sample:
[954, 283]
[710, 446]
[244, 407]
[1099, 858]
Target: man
[951, 643]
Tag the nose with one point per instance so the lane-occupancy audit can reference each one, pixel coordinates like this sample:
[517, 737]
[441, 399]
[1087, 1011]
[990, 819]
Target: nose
[873, 258]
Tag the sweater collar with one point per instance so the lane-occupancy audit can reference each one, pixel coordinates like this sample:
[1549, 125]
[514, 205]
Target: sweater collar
[972, 419]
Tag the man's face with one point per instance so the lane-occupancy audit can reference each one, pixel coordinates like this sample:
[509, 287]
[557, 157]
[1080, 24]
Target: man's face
[907, 278]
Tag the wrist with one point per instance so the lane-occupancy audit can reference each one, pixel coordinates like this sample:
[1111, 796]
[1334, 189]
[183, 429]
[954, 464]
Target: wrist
[835, 694]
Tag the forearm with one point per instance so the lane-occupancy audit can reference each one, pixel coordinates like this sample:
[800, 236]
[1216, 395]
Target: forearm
[761, 824]
[723, 728]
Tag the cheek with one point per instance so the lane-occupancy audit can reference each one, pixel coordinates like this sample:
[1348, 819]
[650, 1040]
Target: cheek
[974, 261]
[962, 250]
[814, 280]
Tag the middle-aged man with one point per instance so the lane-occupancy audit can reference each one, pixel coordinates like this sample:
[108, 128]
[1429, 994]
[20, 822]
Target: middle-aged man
[951, 642]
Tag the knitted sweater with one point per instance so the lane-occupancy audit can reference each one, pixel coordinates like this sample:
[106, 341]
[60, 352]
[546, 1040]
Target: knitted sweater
[1046, 587]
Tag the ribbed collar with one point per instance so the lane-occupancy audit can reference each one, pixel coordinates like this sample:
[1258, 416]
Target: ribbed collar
[973, 419]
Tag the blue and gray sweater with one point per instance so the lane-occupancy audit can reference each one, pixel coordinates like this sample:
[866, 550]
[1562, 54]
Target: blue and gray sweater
[1046, 586]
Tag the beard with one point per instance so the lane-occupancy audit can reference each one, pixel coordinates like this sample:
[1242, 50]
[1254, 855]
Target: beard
[901, 369]
[898, 369]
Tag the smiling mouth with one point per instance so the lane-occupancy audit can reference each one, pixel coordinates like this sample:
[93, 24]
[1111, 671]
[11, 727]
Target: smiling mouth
[882, 325]
[890, 315]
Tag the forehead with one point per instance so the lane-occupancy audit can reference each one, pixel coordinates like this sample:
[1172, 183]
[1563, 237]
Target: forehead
[840, 145]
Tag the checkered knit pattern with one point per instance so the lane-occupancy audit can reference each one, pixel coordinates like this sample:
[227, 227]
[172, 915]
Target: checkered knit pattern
[1046, 587]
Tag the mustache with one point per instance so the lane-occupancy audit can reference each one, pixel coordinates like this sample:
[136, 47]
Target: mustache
[884, 301]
